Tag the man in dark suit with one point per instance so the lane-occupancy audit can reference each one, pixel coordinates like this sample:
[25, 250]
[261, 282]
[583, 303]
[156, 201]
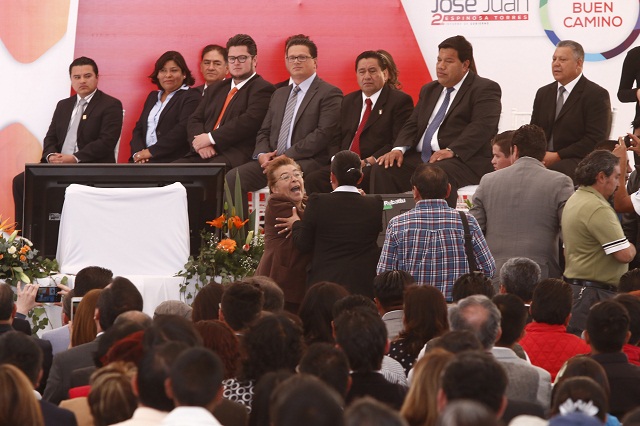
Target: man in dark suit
[213, 66]
[85, 128]
[452, 125]
[22, 352]
[119, 297]
[574, 112]
[301, 122]
[223, 128]
[369, 131]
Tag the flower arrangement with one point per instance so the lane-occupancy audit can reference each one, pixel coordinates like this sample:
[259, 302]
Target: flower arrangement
[19, 261]
[228, 250]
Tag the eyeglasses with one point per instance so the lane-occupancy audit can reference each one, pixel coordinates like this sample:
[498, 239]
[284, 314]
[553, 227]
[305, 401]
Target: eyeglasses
[287, 177]
[301, 58]
[242, 59]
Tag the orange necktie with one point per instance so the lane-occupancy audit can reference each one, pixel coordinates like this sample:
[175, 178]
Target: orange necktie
[224, 107]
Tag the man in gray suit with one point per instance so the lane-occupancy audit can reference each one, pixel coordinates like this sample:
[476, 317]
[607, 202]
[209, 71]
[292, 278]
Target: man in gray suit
[519, 208]
[302, 119]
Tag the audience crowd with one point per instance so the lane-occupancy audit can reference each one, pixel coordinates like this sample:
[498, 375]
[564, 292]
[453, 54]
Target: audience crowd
[461, 318]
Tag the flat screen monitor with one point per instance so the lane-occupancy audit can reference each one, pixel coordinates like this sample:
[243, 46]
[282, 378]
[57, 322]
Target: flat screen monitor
[45, 186]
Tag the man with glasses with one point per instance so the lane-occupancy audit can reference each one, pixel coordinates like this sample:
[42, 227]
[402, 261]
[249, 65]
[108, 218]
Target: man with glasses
[213, 66]
[302, 119]
[223, 128]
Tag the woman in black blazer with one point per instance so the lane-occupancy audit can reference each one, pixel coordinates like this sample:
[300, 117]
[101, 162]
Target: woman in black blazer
[341, 228]
[160, 135]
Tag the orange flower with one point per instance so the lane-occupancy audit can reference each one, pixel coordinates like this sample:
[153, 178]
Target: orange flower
[238, 223]
[1, 256]
[218, 222]
[227, 245]
[23, 258]
[24, 249]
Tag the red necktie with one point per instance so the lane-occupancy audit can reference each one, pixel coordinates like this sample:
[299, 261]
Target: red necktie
[224, 107]
[355, 145]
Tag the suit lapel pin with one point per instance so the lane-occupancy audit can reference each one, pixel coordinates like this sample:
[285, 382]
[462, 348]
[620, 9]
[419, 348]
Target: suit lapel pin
[84, 116]
[380, 112]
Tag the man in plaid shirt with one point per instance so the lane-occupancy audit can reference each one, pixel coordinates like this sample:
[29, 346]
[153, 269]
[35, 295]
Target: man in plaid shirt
[428, 241]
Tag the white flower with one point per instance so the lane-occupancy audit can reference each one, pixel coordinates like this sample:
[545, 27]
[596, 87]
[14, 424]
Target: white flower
[11, 250]
[29, 243]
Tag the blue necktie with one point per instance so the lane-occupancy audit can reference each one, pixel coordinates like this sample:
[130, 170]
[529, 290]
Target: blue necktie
[434, 125]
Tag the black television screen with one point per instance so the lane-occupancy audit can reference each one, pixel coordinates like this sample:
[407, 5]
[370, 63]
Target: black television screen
[45, 186]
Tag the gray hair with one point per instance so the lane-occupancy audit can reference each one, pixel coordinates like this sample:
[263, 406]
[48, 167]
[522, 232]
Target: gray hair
[576, 48]
[464, 316]
[368, 411]
[594, 163]
[519, 276]
[466, 412]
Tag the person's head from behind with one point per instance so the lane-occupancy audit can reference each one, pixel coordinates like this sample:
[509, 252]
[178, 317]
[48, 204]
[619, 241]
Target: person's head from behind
[206, 304]
[456, 342]
[574, 393]
[421, 403]
[629, 281]
[111, 399]
[529, 141]
[551, 302]
[316, 310]
[583, 366]
[153, 371]
[272, 343]
[85, 328]
[370, 412]
[171, 328]
[273, 294]
[329, 364]
[607, 327]
[18, 403]
[90, 278]
[7, 307]
[305, 400]
[195, 379]
[467, 413]
[513, 318]
[425, 317]
[262, 391]
[479, 315]
[502, 150]
[121, 342]
[471, 283]
[388, 289]
[346, 169]
[241, 305]
[632, 303]
[218, 337]
[21, 351]
[120, 296]
[601, 170]
[392, 69]
[476, 376]
[519, 276]
[362, 336]
[351, 302]
[430, 182]
[173, 307]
